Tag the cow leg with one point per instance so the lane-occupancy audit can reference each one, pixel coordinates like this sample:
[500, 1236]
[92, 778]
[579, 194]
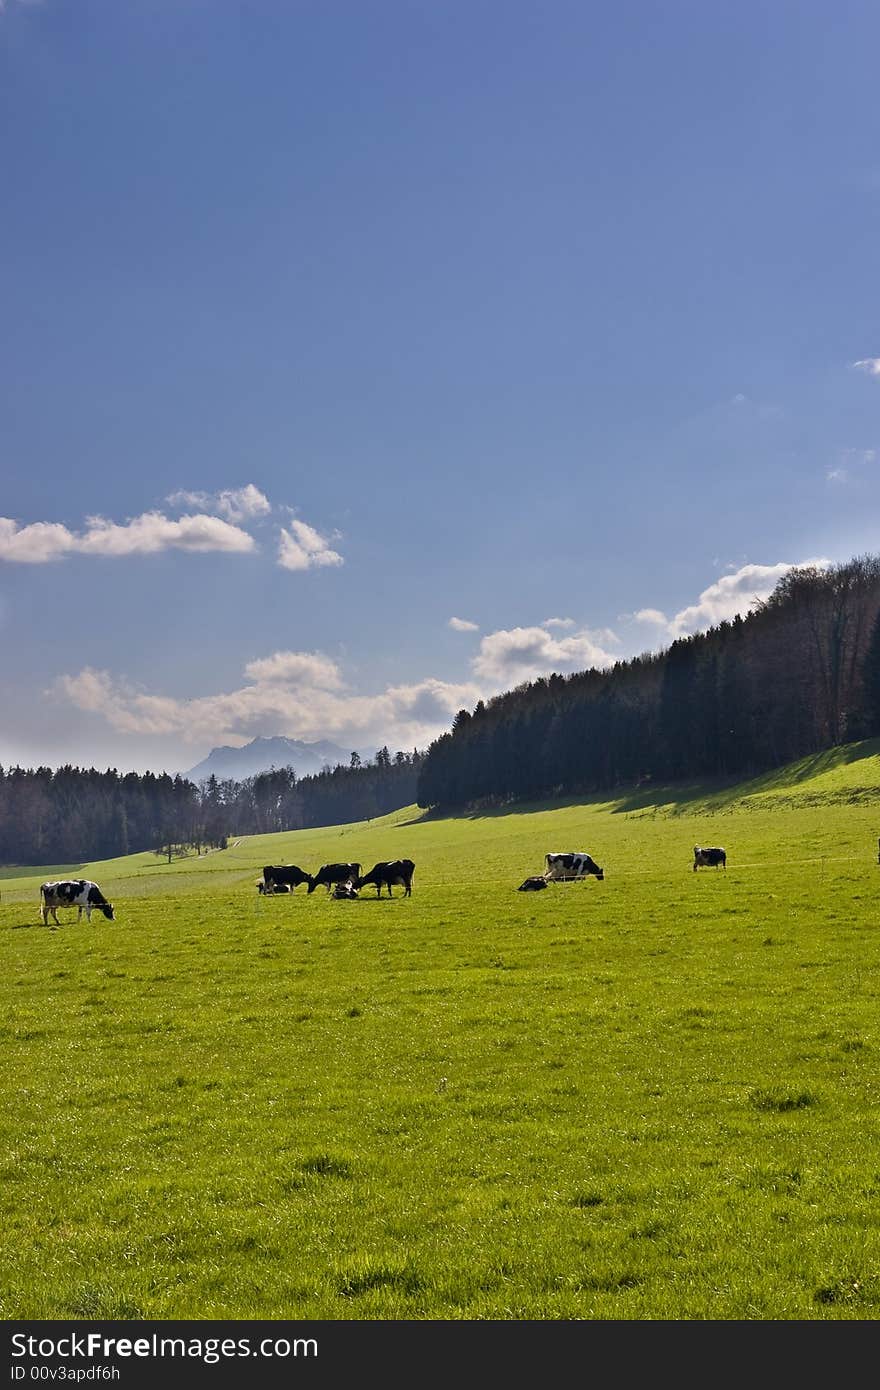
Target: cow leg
[79, 913]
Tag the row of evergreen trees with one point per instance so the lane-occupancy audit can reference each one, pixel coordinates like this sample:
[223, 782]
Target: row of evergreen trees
[74, 814]
[800, 673]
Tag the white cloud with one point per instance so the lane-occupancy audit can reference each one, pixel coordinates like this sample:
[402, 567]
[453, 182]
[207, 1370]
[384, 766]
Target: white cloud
[869, 365]
[183, 498]
[151, 532]
[836, 475]
[294, 693]
[463, 625]
[36, 544]
[651, 615]
[512, 655]
[236, 504]
[42, 541]
[734, 593]
[295, 668]
[558, 622]
[302, 548]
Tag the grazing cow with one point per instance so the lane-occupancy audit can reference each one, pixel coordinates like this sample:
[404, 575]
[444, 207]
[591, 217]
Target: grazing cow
[345, 890]
[329, 874]
[532, 885]
[388, 871]
[273, 887]
[80, 893]
[276, 874]
[709, 858]
[561, 867]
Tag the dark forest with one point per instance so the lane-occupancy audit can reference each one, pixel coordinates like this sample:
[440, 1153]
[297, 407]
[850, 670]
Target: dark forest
[77, 814]
[799, 673]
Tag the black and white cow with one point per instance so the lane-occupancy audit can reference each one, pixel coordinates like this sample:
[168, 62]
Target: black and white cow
[388, 871]
[532, 885]
[329, 874]
[275, 875]
[577, 864]
[709, 858]
[273, 887]
[345, 890]
[80, 893]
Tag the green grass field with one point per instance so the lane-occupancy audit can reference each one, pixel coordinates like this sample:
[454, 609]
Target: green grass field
[655, 1097]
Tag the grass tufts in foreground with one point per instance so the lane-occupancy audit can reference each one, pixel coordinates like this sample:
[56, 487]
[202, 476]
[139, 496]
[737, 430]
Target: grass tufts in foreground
[649, 1098]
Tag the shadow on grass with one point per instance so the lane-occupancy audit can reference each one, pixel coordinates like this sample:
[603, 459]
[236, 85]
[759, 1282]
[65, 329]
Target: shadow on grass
[398, 897]
[719, 793]
[614, 800]
[41, 871]
[676, 798]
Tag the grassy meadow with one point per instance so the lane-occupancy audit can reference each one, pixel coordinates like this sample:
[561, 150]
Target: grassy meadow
[655, 1097]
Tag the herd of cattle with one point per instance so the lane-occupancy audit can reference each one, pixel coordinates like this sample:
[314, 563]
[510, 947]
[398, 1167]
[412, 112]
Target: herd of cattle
[346, 880]
[342, 880]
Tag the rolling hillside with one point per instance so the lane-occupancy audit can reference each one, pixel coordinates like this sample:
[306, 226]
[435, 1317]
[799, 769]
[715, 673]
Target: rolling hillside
[614, 830]
[653, 1097]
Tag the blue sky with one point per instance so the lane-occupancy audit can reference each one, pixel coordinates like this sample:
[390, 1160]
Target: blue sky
[327, 323]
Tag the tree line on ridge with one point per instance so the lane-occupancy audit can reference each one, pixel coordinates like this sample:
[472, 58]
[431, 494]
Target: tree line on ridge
[799, 673]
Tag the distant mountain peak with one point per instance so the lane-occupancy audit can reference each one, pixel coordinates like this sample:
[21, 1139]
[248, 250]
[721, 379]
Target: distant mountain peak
[267, 751]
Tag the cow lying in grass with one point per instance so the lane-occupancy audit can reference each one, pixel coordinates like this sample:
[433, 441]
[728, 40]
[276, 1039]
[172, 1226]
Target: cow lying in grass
[345, 890]
[532, 885]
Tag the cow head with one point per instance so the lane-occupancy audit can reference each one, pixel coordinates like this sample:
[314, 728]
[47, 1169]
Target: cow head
[107, 909]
